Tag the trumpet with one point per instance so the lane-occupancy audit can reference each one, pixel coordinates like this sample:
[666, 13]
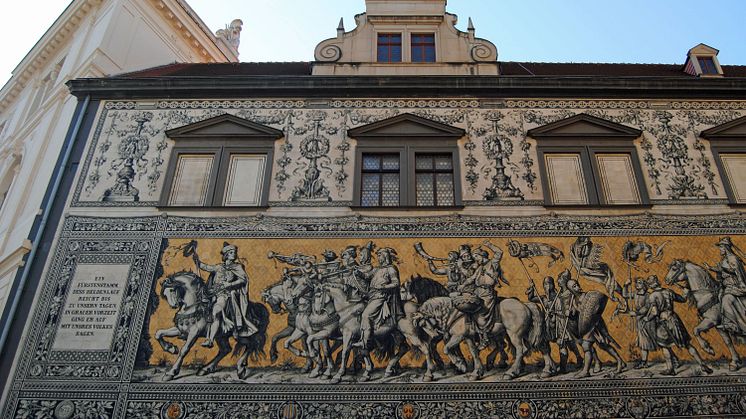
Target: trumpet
[421, 251]
[297, 259]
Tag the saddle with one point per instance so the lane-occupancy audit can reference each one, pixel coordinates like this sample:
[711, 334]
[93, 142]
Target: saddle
[467, 302]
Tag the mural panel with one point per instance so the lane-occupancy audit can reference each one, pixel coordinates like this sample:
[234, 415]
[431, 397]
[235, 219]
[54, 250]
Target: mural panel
[629, 316]
[314, 165]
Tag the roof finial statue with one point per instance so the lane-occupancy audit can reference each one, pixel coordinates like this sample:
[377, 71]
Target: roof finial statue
[232, 33]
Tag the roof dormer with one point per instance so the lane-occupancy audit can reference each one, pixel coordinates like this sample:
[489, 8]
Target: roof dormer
[414, 37]
[701, 61]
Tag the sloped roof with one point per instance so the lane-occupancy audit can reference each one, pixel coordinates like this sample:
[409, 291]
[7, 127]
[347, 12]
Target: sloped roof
[508, 68]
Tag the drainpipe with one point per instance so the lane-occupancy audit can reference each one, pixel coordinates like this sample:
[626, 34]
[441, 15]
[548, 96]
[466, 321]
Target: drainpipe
[56, 181]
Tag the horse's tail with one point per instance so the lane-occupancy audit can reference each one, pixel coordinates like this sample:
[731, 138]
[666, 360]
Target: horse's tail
[254, 344]
[536, 336]
[385, 348]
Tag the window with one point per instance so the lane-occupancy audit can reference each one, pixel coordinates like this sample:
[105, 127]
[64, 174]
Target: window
[221, 162]
[423, 48]
[434, 180]
[407, 161]
[591, 176]
[707, 65]
[389, 47]
[729, 151]
[586, 160]
[380, 180]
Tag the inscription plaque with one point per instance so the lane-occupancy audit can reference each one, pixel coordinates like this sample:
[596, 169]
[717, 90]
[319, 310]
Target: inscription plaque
[92, 307]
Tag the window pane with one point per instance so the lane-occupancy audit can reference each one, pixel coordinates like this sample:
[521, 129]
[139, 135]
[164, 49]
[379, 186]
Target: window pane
[371, 162]
[444, 162]
[618, 183]
[423, 48]
[444, 189]
[389, 47]
[734, 166]
[565, 179]
[370, 191]
[424, 162]
[390, 190]
[245, 181]
[191, 180]
[391, 162]
[707, 65]
[425, 190]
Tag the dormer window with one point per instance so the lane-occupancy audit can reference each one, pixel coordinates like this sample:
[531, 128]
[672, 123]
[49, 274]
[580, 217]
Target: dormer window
[701, 61]
[707, 65]
[423, 48]
[389, 47]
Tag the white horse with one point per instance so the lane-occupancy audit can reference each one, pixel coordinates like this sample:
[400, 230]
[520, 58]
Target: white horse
[704, 290]
[186, 291]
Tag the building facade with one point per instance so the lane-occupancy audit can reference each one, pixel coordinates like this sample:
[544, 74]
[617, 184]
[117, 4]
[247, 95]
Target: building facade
[406, 227]
[90, 39]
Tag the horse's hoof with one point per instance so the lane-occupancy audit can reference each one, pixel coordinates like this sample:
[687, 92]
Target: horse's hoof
[705, 369]
[335, 380]
[510, 376]
[427, 378]
[621, 368]
[365, 378]
[734, 366]
[545, 374]
[583, 374]
[168, 377]
[314, 374]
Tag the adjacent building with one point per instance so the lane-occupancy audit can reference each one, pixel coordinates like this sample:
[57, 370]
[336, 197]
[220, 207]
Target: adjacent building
[533, 229]
[92, 38]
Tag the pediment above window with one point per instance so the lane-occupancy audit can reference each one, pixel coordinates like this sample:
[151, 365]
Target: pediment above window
[585, 126]
[407, 125]
[222, 127]
[735, 129]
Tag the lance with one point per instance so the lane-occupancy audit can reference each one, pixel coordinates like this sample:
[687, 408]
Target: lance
[533, 285]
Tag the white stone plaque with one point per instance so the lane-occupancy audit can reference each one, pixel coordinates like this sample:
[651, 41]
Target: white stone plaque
[89, 317]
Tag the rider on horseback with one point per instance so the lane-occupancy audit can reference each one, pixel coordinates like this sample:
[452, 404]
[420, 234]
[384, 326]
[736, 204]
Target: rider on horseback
[384, 304]
[481, 278]
[732, 275]
[228, 287]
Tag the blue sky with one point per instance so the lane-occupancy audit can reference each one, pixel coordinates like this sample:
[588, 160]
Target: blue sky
[639, 31]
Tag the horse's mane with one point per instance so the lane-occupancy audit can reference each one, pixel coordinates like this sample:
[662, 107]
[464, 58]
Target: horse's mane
[195, 281]
[436, 307]
[424, 289]
[707, 277]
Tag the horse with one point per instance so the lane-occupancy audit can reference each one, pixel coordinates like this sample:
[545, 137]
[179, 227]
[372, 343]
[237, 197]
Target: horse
[413, 293]
[280, 299]
[704, 291]
[522, 322]
[389, 340]
[186, 292]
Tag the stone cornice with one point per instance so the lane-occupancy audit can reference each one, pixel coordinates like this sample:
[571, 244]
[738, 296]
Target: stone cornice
[422, 86]
[55, 37]
[190, 26]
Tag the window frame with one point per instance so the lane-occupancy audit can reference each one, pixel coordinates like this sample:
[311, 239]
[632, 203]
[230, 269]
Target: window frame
[423, 47]
[219, 173]
[221, 137]
[401, 46]
[408, 148]
[588, 149]
[727, 138]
